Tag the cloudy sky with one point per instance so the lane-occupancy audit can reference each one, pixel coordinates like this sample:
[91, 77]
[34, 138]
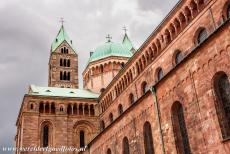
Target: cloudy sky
[27, 29]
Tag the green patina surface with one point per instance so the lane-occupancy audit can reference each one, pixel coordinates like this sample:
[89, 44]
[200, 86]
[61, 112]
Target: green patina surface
[62, 92]
[110, 49]
[60, 38]
[127, 43]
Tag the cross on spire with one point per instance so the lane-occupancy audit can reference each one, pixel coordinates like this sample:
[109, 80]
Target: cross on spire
[125, 29]
[109, 38]
[62, 21]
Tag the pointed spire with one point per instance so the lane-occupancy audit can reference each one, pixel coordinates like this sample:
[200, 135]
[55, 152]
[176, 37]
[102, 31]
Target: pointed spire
[61, 37]
[126, 41]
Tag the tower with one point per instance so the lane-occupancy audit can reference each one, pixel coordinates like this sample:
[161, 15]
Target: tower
[63, 62]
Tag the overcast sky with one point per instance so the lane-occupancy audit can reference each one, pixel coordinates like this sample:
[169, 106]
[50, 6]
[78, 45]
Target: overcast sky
[28, 27]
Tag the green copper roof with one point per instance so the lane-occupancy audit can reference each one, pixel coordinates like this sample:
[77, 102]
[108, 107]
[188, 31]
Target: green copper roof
[60, 38]
[110, 49]
[62, 92]
[127, 43]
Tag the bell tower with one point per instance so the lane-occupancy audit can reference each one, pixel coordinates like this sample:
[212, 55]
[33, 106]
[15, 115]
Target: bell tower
[63, 62]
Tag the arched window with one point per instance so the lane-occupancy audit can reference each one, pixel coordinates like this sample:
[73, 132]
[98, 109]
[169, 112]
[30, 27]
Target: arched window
[160, 74]
[65, 77]
[81, 109]
[31, 106]
[61, 109]
[202, 35]
[109, 151]
[148, 139]
[120, 109]
[68, 63]
[101, 69]
[41, 108]
[82, 139]
[178, 57]
[67, 51]
[131, 98]
[86, 109]
[92, 112]
[69, 109]
[68, 76]
[61, 75]
[102, 125]
[52, 108]
[111, 117]
[62, 50]
[125, 148]
[144, 87]
[179, 129]
[45, 136]
[61, 62]
[222, 90]
[64, 62]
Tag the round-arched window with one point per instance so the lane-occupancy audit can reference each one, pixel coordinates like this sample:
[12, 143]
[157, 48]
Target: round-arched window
[203, 34]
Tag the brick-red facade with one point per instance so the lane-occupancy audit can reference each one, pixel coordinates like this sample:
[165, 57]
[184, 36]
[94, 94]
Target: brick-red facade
[158, 101]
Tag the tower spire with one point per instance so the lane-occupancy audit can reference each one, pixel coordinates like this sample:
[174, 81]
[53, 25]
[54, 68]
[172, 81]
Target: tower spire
[125, 29]
[62, 21]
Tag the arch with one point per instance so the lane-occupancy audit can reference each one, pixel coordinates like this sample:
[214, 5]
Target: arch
[69, 109]
[120, 109]
[179, 128]
[61, 109]
[167, 36]
[68, 76]
[159, 73]
[64, 63]
[148, 138]
[125, 146]
[92, 111]
[68, 63]
[101, 68]
[109, 151]
[41, 108]
[177, 25]
[47, 108]
[61, 75]
[53, 109]
[131, 98]
[158, 45]
[222, 91]
[102, 124]
[111, 117]
[144, 87]
[194, 8]
[46, 134]
[188, 14]
[61, 62]
[182, 20]
[31, 106]
[200, 35]
[64, 76]
[86, 109]
[177, 57]
[80, 109]
[80, 127]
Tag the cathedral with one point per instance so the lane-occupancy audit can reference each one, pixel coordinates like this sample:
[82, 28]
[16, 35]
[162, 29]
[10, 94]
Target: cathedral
[169, 96]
